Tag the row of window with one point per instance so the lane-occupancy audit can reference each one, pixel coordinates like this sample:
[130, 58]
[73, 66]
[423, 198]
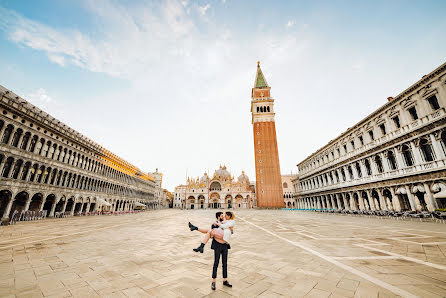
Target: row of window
[359, 141]
[33, 172]
[345, 173]
[263, 109]
[45, 148]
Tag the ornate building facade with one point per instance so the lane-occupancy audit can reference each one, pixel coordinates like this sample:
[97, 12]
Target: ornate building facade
[47, 166]
[219, 191]
[288, 182]
[268, 179]
[394, 159]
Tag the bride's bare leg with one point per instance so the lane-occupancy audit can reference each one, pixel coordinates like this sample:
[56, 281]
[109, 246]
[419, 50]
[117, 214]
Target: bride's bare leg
[204, 231]
[207, 236]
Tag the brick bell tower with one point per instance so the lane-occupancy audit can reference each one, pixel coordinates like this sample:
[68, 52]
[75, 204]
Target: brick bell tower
[268, 179]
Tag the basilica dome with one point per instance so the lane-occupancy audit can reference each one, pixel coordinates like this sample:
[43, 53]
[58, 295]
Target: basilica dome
[243, 178]
[205, 178]
[223, 172]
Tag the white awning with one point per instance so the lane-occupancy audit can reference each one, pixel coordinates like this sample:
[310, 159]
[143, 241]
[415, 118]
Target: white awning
[138, 204]
[103, 202]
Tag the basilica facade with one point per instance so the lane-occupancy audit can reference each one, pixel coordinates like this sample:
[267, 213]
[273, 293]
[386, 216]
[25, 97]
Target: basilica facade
[394, 159]
[220, 190]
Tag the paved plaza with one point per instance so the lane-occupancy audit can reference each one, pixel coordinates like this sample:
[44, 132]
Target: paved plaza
[273, 253]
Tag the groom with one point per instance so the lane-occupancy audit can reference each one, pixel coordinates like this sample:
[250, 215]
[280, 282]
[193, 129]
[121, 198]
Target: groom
[220, 250]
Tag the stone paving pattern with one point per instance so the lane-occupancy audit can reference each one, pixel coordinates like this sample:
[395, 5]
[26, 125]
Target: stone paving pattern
[273, 253]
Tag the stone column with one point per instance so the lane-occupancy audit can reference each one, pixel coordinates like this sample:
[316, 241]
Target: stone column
[416, 153]
[371, 200]
[399, 159]
[362, 205]
[431, 203]
[64, 205]
[395, 200]
[346, 203]
[43, 200]
[53, 208]
[439, 153]
[385, 163]
[73, 208]
[382, 201]
[413, 200]
[336, 197]
[88, 207]
[5, 217]
[27, 203]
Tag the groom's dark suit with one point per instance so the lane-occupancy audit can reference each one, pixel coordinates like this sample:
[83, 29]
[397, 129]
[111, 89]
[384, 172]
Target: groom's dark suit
[220, 249]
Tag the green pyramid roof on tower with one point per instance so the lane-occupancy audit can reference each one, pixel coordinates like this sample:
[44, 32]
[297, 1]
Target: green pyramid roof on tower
[260, 79]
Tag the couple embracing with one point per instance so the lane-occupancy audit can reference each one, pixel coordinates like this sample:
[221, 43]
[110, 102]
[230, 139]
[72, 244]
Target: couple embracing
[221, 231]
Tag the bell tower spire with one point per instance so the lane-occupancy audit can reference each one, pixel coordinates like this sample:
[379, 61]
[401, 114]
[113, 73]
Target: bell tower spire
[268, 178]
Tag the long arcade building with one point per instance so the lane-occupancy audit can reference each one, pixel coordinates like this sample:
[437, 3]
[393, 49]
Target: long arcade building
[47, 166]
[394, 159]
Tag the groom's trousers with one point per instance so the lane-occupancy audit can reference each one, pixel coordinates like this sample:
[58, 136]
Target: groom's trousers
[221, 249]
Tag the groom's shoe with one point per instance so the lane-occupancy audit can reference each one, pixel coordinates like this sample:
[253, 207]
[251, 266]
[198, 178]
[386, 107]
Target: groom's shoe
[225, 283]
[200, 248]
[192, 227]
[213, 286]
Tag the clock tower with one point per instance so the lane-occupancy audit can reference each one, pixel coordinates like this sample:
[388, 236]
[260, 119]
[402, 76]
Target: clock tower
[268, 179]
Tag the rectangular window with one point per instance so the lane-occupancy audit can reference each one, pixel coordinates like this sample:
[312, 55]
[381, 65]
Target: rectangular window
[433, 102]
[353, 144]
[339, 152]
[396, 121]
[361, 140]
[345, 148]
[413, 113]
[383, 129]
[372, 137]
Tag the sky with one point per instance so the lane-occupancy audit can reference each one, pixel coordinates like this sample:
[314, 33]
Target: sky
[167, 84]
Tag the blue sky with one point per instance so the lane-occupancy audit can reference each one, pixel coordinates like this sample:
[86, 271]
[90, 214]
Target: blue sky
[166, 84]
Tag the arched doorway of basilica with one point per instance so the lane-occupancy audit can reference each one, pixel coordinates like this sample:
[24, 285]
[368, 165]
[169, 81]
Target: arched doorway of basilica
[201, 201]
[214, 201]
[228, 201]
[191, 202]
[5, 197]
[238, 201]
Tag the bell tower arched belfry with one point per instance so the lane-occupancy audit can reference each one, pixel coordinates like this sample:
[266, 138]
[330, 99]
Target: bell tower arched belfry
[268, 178]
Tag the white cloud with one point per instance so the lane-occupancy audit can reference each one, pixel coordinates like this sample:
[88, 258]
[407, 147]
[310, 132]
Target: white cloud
[290, 24]
[203, 9]
[39, 96]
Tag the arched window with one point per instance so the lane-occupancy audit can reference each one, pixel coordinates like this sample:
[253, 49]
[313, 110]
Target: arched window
[285, 185]
[16, 137]
[258, 109]
[337, 176]
[32, 147]
[267, 109]
[25, 141]
[25, 171]
[407, 155]
[358, 169]
[7, 134]
[261, 109]
[343, 175]
[379, 164]
[392, 161]
[350, 172]
[17, 168]
[368, 167]
[7, 167]
[426, 150]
